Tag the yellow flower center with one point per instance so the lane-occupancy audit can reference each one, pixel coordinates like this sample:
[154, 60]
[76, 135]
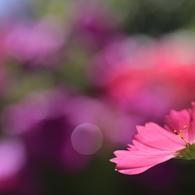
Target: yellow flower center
[187, 153]
[180, 135]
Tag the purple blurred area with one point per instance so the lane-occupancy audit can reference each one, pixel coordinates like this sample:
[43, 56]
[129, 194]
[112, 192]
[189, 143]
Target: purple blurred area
[74, 83]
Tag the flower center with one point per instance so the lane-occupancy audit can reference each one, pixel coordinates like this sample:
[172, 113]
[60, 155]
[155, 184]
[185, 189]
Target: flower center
[180, 135]
[187, 153]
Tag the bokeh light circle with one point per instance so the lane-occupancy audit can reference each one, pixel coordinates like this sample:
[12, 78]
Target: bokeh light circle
[87, 139]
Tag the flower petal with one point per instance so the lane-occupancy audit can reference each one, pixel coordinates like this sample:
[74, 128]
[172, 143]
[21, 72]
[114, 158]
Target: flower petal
[132, 148]
[134, 162]
[177, 120]
[152, 138]
[191, 130]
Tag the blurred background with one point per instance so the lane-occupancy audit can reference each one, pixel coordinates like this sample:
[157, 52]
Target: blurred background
[76, 77]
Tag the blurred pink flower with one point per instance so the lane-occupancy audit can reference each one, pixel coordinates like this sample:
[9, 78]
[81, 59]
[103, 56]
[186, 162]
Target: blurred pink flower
[93, 25]
[33, 44]
[60, 128]
[67, 111]
[12, 160]
[41, 121]
[146, 79]
[154, 144]
[110, 59]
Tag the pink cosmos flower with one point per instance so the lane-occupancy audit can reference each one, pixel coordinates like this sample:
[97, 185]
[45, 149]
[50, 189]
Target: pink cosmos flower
[154, 144]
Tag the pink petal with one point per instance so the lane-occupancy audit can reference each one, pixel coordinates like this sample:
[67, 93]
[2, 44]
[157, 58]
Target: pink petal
[132, 148]
[134, 171]
[177, 121]
[152, 138]
[135, 162]
[191, 130]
